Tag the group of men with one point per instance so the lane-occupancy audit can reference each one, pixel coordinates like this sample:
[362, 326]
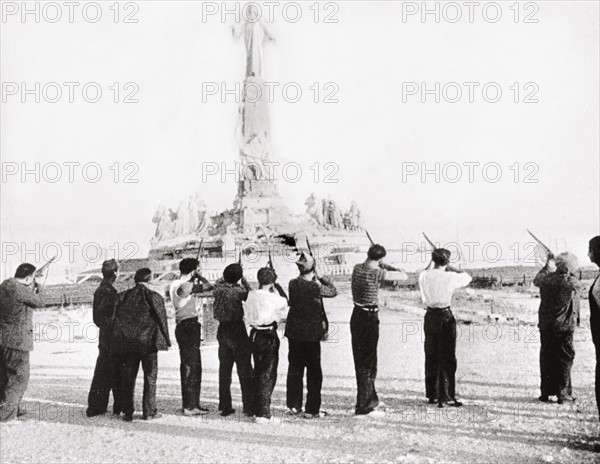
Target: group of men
[133, 327]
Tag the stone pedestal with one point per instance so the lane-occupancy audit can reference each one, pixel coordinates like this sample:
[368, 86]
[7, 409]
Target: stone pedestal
[260, 206]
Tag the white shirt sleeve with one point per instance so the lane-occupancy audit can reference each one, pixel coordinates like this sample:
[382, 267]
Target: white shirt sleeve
[250, 310]
[177, 301]
[421, 282]
[462, 279]
[395, 275]
[282, 309]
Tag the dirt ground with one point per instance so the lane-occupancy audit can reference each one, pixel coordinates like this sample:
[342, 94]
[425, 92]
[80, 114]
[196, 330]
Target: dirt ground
[497, 379]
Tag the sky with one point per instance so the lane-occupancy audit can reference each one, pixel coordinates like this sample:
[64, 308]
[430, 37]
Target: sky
[375, 131]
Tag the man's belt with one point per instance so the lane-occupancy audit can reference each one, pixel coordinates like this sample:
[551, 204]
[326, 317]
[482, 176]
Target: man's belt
[370, 308]
[271, 326]
[189, 319]
[447, 308]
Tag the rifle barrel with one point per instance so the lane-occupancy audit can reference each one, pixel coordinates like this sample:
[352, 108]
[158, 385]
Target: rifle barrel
[429, 241]
[539, 242]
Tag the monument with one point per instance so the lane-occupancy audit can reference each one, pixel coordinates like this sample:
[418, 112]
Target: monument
[259, 213]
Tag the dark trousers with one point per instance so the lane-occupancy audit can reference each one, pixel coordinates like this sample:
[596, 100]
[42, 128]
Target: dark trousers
[235, 347]
[364, 328]
[187, 334]
[303, 355]
[105, 379]
[14, 379]
[598, 379]
[130, 364]
[440, 355]
[265, 351]
[556, 359]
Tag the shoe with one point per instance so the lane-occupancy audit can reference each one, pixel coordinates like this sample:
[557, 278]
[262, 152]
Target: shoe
[293, 412]
[544, 399]
[431, 400]
[454, 404]
[94, 412]
[322, 414]
[227, 412]
[562, 399]
[262, 420]
[376, 413]
[128, 418]
[204, 410]
[194, 412]
[151, 417]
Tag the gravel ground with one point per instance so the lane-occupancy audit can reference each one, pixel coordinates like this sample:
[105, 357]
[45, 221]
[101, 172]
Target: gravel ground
[497, 379]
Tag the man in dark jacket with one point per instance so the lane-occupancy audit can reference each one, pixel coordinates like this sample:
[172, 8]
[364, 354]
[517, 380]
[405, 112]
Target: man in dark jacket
[557, 320]
[594, 299]
[234, 344]
[18, 297]
[306, 326]
[140, 330]
[106, 373]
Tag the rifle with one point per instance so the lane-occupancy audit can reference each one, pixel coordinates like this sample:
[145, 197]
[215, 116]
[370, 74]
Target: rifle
[373, 243]
[278, 287]
[325, 319]
[270, 264]
[429, 241]
[40, 271]
[541, 244]
[369, 237]
[313, 256]
[199, 254]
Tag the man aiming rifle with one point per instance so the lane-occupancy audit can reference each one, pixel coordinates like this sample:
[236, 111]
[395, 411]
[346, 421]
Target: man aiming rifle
[18, 297]
[437, 284]
[188, 330]
[364, 324]
[558, 316]
[263, 310]
[306, 327]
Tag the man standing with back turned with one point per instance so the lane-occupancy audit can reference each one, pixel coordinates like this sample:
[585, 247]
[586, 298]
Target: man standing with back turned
[558, 315]
[234, 344]
[364, 324]
[437, 284]
[140, 331]
[187, 332]
[305, 328]
[107, 367]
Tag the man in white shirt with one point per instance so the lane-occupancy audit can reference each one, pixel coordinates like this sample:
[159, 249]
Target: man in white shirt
[187, 332]
[263, 309]
[437, 284]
